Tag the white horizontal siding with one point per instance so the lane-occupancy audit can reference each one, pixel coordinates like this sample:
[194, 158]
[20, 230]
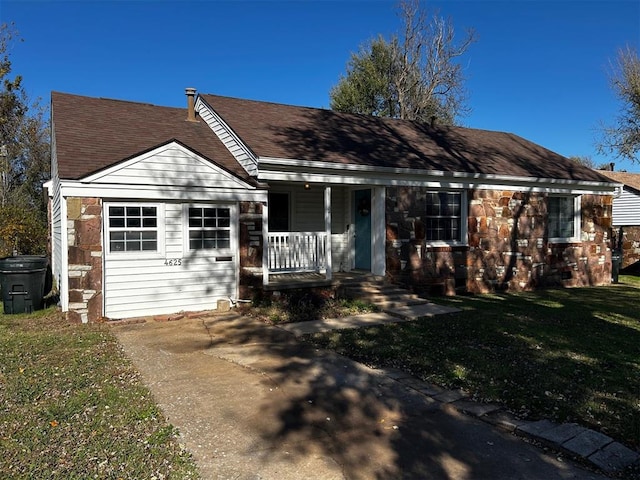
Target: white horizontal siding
[171, 165]
[340, 252]
[626, 209]
[135, 286]
[56, 226]
[307, 208]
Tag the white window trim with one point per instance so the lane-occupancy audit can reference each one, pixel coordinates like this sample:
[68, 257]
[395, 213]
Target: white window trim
[464, 221]
[233, 229]
[577, 220]
[137, 254]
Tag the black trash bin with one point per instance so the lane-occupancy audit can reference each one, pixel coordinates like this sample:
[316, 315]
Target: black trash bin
[616, 262]
[22, 279]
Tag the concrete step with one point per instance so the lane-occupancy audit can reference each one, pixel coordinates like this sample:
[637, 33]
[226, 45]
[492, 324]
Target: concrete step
[384, 296]
[428, 309]
[364, 289]
[386, 305]
[372, 294]
[407, 299]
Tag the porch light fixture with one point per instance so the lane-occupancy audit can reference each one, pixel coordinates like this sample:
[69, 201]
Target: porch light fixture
[307, 186]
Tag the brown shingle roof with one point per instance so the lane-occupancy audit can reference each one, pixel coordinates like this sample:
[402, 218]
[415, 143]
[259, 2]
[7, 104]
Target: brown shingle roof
[283, 131]
[630, 179]
[94, 133]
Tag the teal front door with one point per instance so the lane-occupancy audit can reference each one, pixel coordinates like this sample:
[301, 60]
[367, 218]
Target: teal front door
[362, 222]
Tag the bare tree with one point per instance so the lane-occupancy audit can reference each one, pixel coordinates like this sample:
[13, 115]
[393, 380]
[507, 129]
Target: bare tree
[414, 76]
[429, 79]
[623, 137]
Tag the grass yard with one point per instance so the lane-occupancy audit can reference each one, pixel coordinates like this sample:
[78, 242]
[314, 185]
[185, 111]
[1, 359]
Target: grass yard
[73, 407]
[569, 355]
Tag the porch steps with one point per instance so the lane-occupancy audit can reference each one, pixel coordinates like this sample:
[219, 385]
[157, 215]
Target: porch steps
[389, 298]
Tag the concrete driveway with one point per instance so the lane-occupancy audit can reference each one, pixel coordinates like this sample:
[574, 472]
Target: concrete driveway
[251, 402]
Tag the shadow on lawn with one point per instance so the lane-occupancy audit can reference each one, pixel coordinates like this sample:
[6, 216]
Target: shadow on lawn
[566, 354]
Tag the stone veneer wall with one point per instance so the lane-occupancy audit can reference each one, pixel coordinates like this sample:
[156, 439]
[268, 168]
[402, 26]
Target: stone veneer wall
[250, 243]
[84, 243]
[507, 244]
[630, 246]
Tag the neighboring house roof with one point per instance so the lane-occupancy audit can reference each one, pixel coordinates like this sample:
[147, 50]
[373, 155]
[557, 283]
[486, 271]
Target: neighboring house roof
[95, 133]
[628, 179]
[311, 134]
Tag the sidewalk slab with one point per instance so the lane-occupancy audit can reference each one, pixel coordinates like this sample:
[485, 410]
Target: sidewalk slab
[534, 429]
[475, 408]
[614, 457]
[389, 315]
[562, 433]
[352, 321]
[414, 312]
[504, 420]
[587, 443]
[449, 396]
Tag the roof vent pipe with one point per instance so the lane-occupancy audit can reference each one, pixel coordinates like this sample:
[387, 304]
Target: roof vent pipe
[191, 109]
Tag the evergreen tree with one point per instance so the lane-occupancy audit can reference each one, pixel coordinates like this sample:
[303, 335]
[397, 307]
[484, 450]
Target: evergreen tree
[24, 161]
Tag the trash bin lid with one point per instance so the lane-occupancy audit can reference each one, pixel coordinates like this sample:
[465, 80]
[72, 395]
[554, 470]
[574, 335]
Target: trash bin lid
[22, 263]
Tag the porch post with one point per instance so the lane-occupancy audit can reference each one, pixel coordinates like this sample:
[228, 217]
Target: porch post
[378, 227]
[327, 229]
[265, 243]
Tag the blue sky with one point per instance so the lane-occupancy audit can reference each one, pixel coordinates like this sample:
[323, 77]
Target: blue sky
[539, 68]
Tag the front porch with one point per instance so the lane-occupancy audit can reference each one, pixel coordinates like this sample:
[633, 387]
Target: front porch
[311, 233]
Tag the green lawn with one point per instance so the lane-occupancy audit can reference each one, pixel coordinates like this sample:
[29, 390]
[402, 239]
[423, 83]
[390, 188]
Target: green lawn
[73, 407]
[569, 355]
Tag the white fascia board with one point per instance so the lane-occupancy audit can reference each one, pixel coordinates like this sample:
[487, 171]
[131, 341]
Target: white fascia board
[71, 188]
[48, 185]
[431, 182]
[201, 105]
[312, 171]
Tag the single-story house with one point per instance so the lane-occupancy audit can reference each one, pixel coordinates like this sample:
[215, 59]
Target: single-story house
[626, 217]
[157, 210]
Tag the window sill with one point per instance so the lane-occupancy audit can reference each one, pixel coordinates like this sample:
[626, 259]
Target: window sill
[135, 255]
[445, 244]
[565, 240]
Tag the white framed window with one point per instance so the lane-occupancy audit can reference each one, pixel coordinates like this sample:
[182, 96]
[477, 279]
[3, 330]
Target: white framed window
[134, 228]
[445, 217]
[563, 218]
[209, 227]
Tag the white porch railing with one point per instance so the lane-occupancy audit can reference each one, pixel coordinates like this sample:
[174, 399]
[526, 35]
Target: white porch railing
[297, 251]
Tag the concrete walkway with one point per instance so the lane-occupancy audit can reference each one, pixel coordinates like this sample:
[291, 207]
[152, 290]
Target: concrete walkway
[394, 315]
[251, 402]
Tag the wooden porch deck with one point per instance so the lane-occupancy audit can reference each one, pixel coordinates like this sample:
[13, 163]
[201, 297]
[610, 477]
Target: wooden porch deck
[287, 281]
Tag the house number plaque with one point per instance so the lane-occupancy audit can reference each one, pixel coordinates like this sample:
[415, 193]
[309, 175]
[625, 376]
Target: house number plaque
[173, 262]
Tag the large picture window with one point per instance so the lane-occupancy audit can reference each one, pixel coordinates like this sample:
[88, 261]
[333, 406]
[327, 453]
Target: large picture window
[443, 219]
[133, 228]
[209, 228]
[563, 221]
